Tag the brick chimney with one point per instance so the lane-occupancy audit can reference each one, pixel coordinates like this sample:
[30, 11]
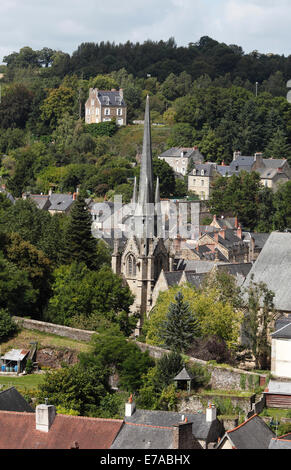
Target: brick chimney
[222, 233]
[239, 232]
[129, 407]
[44, 417]
[210, 413]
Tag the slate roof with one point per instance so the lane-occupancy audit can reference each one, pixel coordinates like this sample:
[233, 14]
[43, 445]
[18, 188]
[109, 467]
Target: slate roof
[60, 202]
[138, 436]
[281, 322]
[201, 429]
[183, 375]
[242, 163]
[259, 238]
[111, 95]
[198, 266]
[280, 443]
[175, 152]
[18, 431]
[273, 267]
[224, 170]
[283, 332]
[194, 278]
[252, 434]
[173, 278]
[274, 162]
[240, 269]
[12, 400]
[208, 169]
[41, 200]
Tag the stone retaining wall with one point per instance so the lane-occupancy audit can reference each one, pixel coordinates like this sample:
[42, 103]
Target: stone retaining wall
[221, 377]
[73, 333]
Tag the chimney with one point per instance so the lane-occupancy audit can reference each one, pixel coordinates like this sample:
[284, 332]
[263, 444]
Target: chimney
[129, 407]
[239, 232]
[236, 222]
[236, 154]
[216, 234]
[210, 413]
[259, 160]
[222, 233]
[44, 416]
[121, 92]
[74, 196]
[183, 436]
[50, 192]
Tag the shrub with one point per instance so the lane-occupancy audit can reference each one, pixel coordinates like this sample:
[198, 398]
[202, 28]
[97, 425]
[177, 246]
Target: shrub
[7, 326]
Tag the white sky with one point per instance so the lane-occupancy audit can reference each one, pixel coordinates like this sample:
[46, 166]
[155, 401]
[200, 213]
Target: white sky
[64, 24]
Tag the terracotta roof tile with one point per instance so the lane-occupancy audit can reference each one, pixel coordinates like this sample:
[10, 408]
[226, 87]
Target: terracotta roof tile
[18, 432]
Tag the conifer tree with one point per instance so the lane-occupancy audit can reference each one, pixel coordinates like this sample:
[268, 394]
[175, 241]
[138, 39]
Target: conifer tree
[79, 244]
[180, 327]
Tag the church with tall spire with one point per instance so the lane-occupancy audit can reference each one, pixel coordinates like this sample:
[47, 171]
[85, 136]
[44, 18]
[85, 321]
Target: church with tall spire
[144, 254]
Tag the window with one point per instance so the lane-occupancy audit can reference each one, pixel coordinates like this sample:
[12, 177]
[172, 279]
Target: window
[119, 112]
[107, 111]
[97, 111]
[202, 182]
[92, 102]
[131, 265]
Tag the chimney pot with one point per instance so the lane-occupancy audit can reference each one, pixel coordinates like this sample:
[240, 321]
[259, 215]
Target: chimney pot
[210, 413]
[129, 407]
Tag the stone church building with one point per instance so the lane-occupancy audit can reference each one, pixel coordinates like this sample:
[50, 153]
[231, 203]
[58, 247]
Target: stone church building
[140, 260]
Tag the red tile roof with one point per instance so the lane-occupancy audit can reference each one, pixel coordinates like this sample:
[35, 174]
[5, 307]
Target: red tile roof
[18, 432]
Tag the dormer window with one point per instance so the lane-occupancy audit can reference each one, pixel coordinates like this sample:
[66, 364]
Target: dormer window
[118, 99]
[106, 100]
[202, 172]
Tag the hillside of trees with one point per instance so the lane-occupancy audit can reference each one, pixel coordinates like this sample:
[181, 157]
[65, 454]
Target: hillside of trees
[203, 94]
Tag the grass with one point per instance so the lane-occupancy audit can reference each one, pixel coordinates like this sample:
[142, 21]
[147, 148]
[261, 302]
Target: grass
[25, 337]
[227, 393]
[29, 382]
[276, 413]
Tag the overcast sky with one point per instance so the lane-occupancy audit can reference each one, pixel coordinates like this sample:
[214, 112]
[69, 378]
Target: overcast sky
[64, 24]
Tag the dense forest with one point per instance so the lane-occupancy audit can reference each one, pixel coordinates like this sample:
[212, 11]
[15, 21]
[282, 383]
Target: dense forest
[204, 94]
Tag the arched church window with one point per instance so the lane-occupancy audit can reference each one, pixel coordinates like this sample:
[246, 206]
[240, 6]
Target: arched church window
[131, 265]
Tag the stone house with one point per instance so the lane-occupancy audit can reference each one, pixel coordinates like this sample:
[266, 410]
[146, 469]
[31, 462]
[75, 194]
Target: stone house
[200, 179]
[181, 158]
[228, 242]
[102, 106]
[273, 172]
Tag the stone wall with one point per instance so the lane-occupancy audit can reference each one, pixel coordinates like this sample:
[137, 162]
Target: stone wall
[198, 403]
[225, 378]
[73, 333]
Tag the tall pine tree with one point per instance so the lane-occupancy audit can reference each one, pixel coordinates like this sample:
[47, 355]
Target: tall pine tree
[79, 244]
[180, 327]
